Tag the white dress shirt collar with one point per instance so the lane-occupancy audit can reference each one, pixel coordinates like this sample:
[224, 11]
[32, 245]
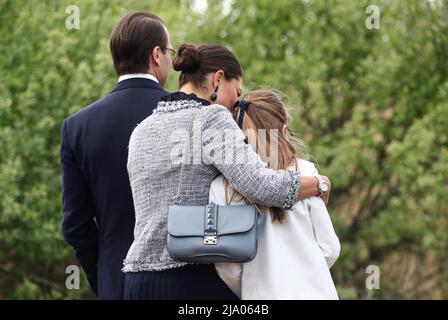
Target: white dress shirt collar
[138, 75]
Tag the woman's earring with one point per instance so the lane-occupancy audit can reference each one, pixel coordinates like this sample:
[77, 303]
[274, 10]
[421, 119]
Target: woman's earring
[214, 95]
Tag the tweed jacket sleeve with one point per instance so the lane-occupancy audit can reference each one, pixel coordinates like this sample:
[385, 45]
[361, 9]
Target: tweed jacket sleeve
[224, 147]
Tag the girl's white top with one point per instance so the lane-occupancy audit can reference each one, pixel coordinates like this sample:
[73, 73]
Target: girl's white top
[293, 257]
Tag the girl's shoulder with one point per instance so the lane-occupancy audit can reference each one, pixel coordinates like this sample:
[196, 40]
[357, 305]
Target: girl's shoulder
[306, 168]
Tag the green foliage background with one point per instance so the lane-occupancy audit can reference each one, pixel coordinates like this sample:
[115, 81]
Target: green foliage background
[371, 104]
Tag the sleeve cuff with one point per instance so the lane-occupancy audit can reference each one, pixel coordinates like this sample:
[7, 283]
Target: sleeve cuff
[293, 192]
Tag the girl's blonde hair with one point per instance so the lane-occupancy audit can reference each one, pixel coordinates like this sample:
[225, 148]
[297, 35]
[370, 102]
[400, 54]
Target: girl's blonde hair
[267, 111]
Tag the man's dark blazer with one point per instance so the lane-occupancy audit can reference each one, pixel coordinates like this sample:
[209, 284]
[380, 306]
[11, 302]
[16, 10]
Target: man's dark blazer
[98, 213]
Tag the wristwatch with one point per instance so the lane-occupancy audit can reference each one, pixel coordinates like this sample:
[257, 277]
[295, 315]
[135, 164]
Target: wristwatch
[322, 186]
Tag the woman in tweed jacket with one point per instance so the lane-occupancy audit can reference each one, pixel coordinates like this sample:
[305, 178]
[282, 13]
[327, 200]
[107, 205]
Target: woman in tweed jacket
[209, 74]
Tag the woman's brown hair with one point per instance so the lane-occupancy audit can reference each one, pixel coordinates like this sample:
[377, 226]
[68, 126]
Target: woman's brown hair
[195, 63]
[267, 111]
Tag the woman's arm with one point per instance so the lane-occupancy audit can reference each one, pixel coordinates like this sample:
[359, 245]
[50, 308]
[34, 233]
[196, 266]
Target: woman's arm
[223, 146]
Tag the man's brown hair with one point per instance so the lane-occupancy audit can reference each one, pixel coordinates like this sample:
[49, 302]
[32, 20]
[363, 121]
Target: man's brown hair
[133, 40]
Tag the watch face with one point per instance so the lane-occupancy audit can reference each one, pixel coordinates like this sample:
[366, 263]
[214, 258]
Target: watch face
[324, 187]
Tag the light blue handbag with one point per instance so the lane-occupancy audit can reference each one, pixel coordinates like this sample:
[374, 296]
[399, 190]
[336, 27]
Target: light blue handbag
[211, 233]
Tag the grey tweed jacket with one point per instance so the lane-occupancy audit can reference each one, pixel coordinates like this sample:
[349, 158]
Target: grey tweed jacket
[217, 146]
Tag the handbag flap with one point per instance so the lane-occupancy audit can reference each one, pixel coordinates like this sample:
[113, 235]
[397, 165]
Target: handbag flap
[189, 220]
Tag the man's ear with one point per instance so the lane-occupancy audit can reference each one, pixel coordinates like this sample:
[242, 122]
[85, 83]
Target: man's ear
[217, 78]
[156, 55]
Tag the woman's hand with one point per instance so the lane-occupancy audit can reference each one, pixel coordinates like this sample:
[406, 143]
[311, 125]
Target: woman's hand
[310, 188]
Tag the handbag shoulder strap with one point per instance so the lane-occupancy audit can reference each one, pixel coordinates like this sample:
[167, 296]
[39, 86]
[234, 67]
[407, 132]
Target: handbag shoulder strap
[185, 158]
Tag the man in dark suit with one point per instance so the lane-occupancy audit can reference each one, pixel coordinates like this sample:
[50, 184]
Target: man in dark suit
[98, 212]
